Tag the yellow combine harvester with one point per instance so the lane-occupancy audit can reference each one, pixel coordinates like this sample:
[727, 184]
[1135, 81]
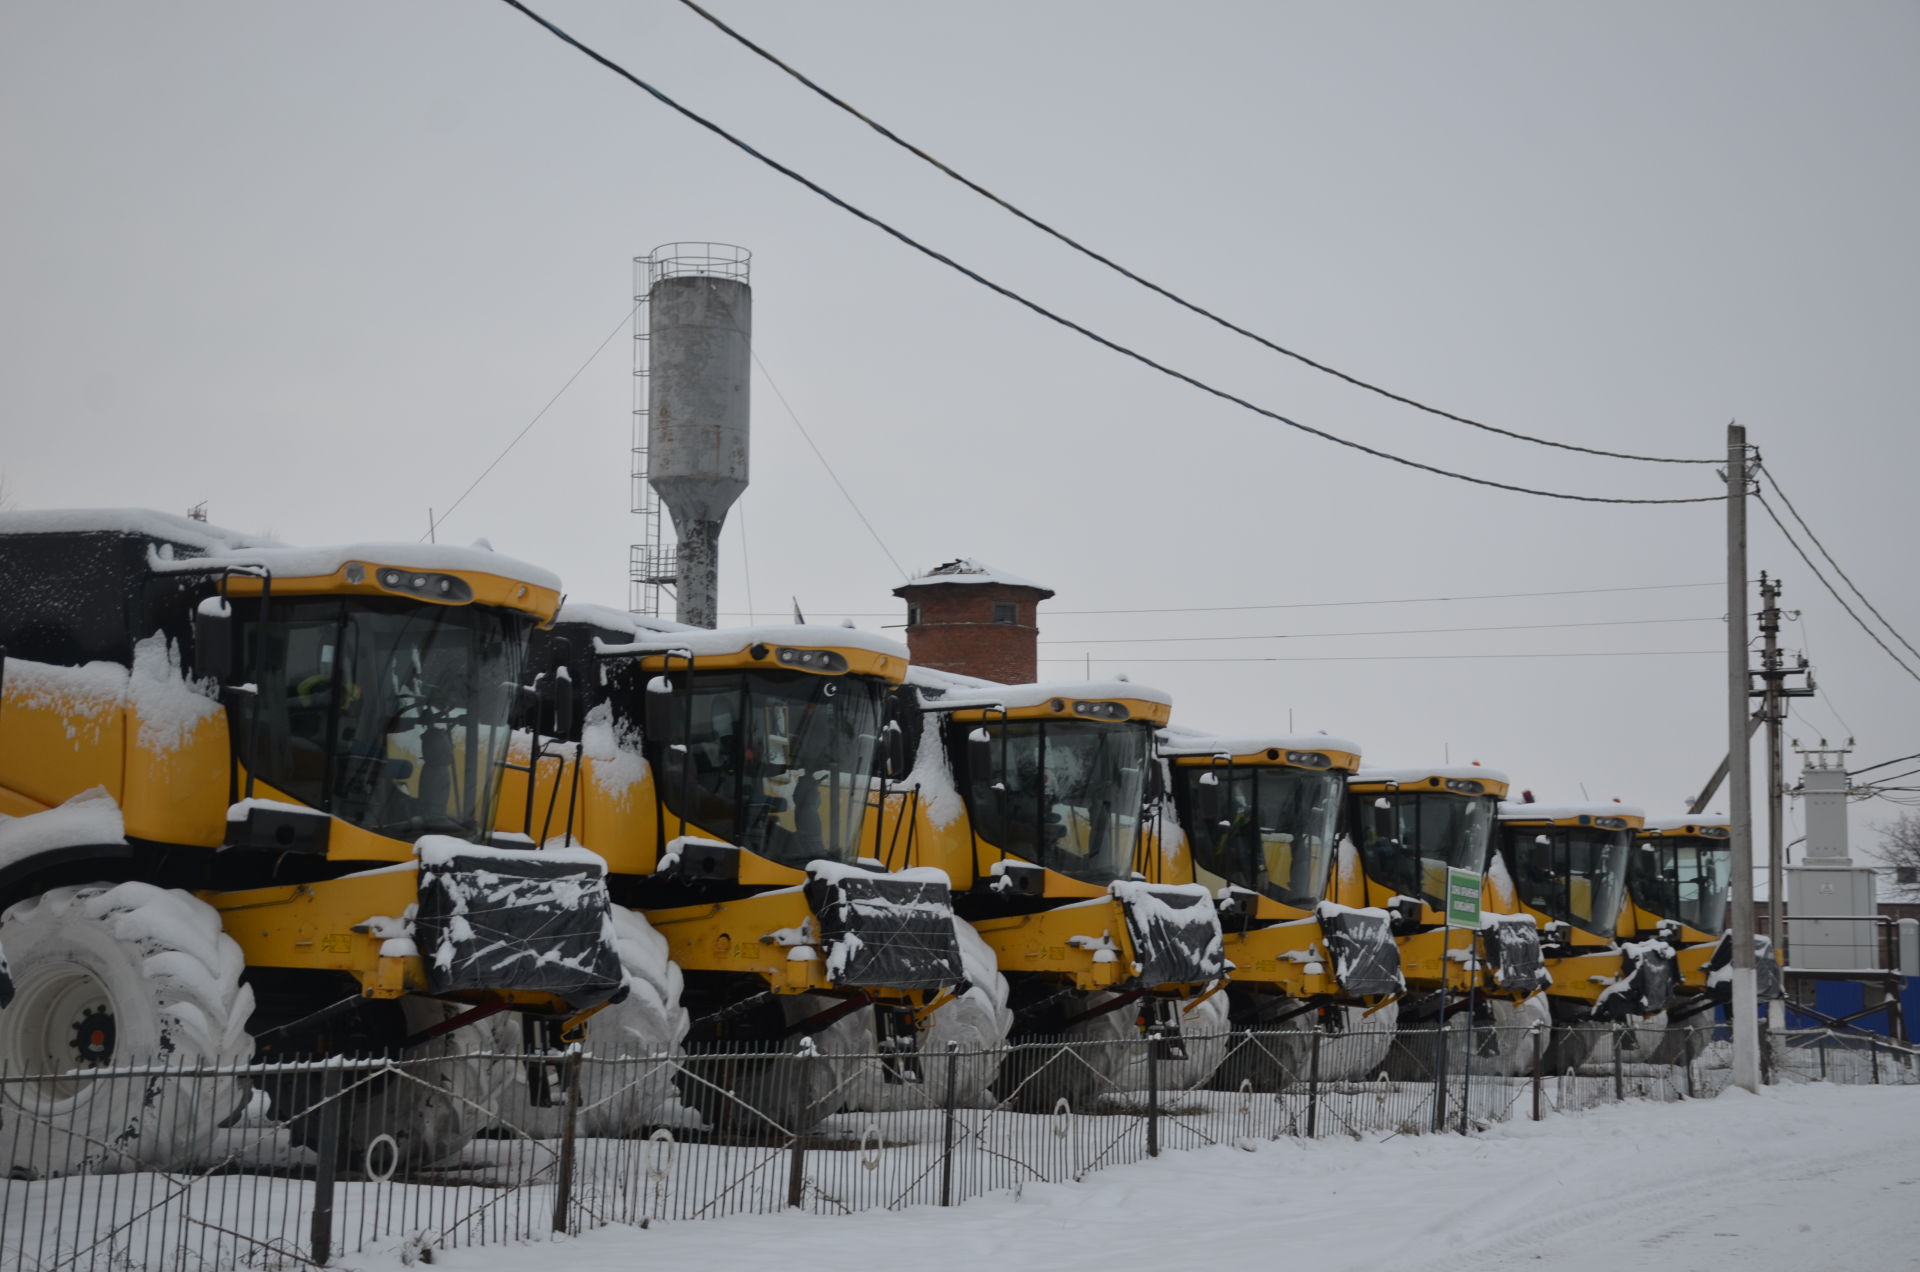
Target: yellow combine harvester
[726, 777]
[1679, 882]
[1568, 864]
[1410, 827]
[246, 791]
[1261, 818]
[1030, 799]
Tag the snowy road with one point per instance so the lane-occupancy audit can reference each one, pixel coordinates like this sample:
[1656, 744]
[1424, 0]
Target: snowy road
[1803, 1177]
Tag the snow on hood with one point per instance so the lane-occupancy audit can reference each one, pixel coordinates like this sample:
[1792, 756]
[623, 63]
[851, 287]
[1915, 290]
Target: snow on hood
[1558, 812]
[91, 817]
[968, 570]
[1175, 740]
[168, 705]
[1407, 776]
[700, 642]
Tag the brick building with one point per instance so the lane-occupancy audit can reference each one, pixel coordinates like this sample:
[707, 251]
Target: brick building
[968, 619]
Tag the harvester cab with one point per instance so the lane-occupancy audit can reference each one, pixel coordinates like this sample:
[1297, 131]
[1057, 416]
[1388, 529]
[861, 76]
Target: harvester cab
[1262, 821]
[217, 741]
[1413, 827]
[1679, 881]
[726, 777]
[1569, 866]
[1420, 834]
[1034, 800]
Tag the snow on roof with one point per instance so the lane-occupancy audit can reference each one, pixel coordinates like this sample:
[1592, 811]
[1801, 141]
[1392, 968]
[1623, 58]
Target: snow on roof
[1556, 812]
[136, 521]
[231, 547]
[700, 641]
[945, 682]
[287, 562]
[1464, 772]
[967, 570]
[1684, 820]
[985, 693]
[1177, 740]
[617, 620]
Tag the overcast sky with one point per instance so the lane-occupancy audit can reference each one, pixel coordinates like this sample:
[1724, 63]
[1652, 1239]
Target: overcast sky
[316, 264]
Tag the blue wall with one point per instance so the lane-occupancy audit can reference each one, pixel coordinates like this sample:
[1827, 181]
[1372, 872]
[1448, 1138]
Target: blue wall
[1843, 998]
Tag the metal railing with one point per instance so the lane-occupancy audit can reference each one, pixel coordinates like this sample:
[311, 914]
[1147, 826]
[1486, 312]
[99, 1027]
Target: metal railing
[171, 1165]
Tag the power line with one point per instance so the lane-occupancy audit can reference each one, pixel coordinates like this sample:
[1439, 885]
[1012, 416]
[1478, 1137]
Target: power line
[1050, 315]
[1795, 545]
[1882, 764]
[1154, 287]
[1392, 631]
[1594, 653]
[819, 455]
[1398, 600]
[1835, 564]
[618, 327]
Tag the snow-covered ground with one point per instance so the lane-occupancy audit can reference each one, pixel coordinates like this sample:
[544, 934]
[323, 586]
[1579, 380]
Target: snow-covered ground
[1800, 1177]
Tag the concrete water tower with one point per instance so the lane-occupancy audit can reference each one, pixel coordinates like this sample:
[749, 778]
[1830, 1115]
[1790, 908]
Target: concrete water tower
[693, 341]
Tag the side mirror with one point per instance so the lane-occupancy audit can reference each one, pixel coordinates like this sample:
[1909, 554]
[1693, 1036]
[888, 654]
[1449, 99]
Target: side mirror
[562, 682]
[894, 740]
[979, 754]
[213, 639]
[1156, 782]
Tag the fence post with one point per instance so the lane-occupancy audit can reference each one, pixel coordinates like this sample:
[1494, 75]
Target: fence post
[797, 1152]
[1686, 1055]
[953, 1098]
[1539, 1063]
[1823, 1057]
[1440, 1066]
[1766, 1057]
[328, 1167]
[1619, 1065]
[1313, 1086]
[1153, 1096]
[1873, 1049]
[1466, 1069]
[563, 1191]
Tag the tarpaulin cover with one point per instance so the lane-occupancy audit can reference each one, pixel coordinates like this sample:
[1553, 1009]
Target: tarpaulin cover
[1365, 958]
[1768, 979]
[532, 921]
[1175, 932]
[1645, 985]
[1513, 951]
[884, 931]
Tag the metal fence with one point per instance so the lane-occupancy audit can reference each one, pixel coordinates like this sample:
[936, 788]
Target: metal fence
[169, 1165]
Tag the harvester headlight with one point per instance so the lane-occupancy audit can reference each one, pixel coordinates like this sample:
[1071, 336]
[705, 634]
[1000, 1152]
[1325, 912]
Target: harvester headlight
[1309, 759]
[812, 659]
[1464, 786]
[439, 587]
[356, 572]
[1100, 710]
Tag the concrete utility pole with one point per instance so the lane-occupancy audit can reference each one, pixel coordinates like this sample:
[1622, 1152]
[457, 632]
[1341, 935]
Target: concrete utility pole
[1774, 693]
[1744, 1014]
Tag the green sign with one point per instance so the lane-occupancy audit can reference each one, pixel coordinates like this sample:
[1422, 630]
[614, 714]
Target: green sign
[1463, 898]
